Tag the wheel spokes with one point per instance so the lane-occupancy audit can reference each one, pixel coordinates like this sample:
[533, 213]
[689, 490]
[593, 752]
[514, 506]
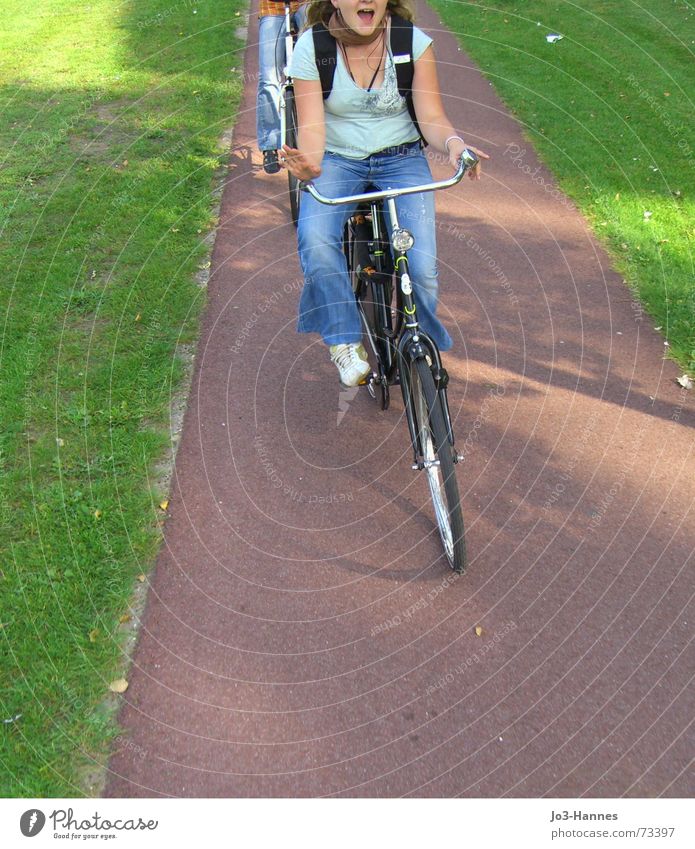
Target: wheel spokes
[434, 474]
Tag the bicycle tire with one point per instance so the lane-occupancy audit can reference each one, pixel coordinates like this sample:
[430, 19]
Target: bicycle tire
[291, 140]
[441, 477]
[373, 304]
[371, 300]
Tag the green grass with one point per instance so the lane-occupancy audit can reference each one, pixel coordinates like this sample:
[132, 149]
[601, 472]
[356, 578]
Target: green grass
[609, 108]
[110, 119]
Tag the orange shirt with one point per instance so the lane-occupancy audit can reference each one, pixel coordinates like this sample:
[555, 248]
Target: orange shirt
[268, 7]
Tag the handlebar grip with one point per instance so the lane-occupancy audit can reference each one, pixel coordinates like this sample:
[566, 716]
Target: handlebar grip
[469, 158]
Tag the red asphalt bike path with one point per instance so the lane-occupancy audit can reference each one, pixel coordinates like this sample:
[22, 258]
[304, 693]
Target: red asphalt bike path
[303, 635]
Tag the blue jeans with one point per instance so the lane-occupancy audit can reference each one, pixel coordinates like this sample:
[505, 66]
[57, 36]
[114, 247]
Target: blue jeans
[327, 304]
[271, 58]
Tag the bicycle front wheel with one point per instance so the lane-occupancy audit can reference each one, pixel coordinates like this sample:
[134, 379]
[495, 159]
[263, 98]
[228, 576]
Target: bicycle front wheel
[291, 140]
[438, 458]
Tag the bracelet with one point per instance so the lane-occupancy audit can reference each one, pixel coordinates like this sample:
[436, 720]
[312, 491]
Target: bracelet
[446, 143]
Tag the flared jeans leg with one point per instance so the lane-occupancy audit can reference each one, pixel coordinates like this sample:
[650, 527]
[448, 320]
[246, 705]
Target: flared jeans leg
[327, 304]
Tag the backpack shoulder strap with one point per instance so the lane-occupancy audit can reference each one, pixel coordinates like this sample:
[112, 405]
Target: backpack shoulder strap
[401, 42]
[402, 52]
[326, 53]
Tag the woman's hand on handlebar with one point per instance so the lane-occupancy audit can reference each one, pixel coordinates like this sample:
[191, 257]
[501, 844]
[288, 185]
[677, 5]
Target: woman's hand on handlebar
[298, 163]
[456, 148]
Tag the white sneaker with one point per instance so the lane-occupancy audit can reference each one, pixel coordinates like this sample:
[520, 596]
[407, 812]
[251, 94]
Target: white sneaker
[351, 360]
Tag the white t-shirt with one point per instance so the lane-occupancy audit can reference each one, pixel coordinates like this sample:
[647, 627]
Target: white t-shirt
[360, 122]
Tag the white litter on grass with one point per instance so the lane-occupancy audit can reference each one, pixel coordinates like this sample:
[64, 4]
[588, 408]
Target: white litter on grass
[685, 381]
[552, 37]
[12, 719]
[646, 215]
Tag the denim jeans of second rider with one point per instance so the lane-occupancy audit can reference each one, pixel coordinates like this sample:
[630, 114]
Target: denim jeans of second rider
[327, 305]
[271, 56]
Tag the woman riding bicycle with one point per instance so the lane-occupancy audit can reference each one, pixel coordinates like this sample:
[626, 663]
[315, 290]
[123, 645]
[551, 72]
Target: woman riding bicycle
[362, 134]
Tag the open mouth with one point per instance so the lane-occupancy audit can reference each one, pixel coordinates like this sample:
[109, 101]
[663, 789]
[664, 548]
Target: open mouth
[366, 15]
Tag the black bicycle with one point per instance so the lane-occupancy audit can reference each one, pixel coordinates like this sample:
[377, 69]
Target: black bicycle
[401, 352]
[288, 106]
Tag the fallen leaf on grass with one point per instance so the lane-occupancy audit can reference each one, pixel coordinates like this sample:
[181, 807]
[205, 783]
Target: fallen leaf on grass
[97, 514]
[163, 504]
[93, 635]
[120, 685]
[125, 618]
[141, 578]
[478, 631]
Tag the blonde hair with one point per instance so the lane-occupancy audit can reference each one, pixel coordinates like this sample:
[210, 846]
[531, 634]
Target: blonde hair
[320, 11]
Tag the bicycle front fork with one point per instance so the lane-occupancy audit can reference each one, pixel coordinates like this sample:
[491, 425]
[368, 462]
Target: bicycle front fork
[413, 347]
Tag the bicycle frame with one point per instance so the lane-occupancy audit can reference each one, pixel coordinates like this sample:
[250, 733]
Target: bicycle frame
[407, 342]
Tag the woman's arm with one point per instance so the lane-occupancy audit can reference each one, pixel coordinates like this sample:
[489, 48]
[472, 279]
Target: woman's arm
[305, 161]
[433, 121]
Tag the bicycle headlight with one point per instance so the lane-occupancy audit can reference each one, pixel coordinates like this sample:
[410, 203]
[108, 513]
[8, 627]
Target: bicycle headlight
[402, 240]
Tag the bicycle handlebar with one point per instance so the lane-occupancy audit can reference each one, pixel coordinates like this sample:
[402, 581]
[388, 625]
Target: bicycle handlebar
[468, 160]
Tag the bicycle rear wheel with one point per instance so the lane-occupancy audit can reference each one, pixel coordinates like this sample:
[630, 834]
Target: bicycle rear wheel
[291, 140]
[437, 454]
[374, 302]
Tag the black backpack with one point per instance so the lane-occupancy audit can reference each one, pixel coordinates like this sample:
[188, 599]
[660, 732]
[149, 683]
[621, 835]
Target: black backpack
[401, 43]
